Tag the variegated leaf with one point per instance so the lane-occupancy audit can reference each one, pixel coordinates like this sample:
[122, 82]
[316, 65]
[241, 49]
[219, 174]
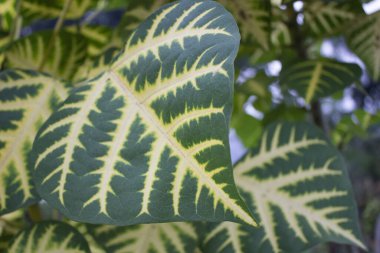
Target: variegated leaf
[64, 58]
[147, 140]
[363, 38]
[176, 237]
[41, 9]
[49, 237]
[27, 98]
[314, 79]
[7, 14]
[297, 184]
[96, 246]
[10, 225]
[328, 18]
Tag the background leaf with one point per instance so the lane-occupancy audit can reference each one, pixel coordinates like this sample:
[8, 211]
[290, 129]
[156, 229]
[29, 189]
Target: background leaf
[329, 18]
[7, 14]
[49, 237]
[26, 99]
[63, 60]
[363, 38]
[297, 184]
[176, 237]
[32, 10]
[315, 79]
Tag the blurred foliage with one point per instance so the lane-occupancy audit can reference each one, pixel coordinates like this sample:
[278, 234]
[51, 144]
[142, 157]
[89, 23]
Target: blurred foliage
[291, 33]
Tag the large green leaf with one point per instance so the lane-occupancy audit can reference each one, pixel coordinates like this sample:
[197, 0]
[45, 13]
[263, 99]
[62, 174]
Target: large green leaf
[26, 100]
[314, 79]
[64, 58]
[363, 38]
[296, 183]
[176, 237]
[49, 237]
[147, 140]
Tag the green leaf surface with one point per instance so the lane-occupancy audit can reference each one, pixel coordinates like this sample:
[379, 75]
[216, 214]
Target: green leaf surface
[176, 237]
[147, 140]
[64, 58]
[27, 98]
[296, 183]
[314, 79]
[49, 237]
[363, 38]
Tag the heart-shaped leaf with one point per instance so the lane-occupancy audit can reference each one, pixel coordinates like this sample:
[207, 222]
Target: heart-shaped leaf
[297, 184]
[314, 79]
[176, 237]
[27, 99]
[147, 140]
[49, 237]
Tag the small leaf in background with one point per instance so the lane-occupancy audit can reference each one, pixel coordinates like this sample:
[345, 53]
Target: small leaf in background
[26, 100]
[315, 79]
[176, 237]
[363, 38]
[147, 141]
[47, 237]
[253, 19]
[324, 19]
[64, 57]
[297, 184]
[32, 10]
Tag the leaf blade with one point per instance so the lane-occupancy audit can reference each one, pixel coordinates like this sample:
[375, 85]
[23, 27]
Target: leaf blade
[170, 112]
[296, 183]
[26, 99]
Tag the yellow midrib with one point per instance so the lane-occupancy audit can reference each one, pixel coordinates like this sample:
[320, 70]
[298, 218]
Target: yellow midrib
[313, 84]
[230, 204]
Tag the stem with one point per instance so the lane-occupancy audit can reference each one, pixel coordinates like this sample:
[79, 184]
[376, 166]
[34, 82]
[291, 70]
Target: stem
[57, 28]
